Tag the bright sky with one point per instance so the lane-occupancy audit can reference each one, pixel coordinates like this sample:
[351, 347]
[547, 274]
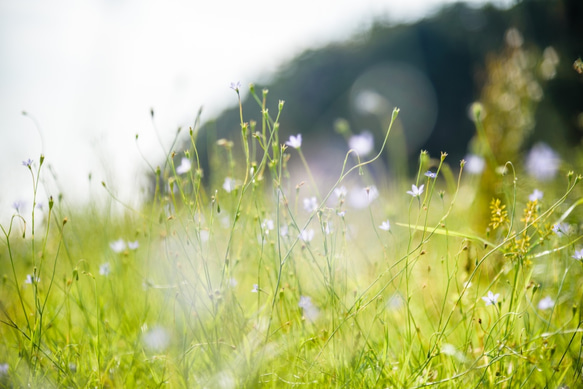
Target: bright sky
[89, 72]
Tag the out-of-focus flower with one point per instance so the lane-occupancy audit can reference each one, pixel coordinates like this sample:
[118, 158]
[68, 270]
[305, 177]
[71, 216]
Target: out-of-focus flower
[311, 312]
[229, 184]
[267, 225]
[361, 198]
[17, 205]
[104, 269]
[542, 162]
[133, 245]
[310, 204]
[562, 229]
[255, 288]
[578, 255]
[385, 225]
[363, 144]
[157, 339]
[295, 141]
[283, 230]
[546, 303]
[430, 174]
[184, 167]
[474, 164]
[27, 163]
[535, 195]
[118, 246]
[30, 279]
[307, 235]
[340, 192]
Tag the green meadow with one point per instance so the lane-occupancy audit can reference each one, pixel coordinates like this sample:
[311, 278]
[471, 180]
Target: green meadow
[257, 273]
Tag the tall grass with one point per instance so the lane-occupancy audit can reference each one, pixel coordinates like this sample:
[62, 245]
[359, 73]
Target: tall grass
[261, 277]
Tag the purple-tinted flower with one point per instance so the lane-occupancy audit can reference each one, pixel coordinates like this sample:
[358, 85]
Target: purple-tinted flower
[17, 205]
[295, 141]
[27, 163]
[562, 229]
[311, 312]
[430, 174]
[578, 255]
[255, 288]
[546, 303]
[133, 245]
[542, 162]
[105, 269]
[536, 195]
[235, 86]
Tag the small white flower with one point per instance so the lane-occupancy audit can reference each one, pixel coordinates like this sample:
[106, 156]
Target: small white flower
[491, 298]
[310, 204]
[184, 167]
[229, 184]
[267, 225]
[536, 195]
[474, 164]
[233, 282]
[29, 279]
[340, 192]
[104, 269]
[341, 213]
[157, 339]
[310, 311]
[3, 369]
[415, 191]
[361, 198]
[118, 246]
[255, 288]
[283, 230]
[295, 141]
[307, 235]
[328, 228]
[385, 225]
[546, 303]
[578, 255]
[363, 144]
[133, 245]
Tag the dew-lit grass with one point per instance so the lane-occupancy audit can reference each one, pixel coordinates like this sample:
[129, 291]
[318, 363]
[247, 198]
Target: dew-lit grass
[262, 278]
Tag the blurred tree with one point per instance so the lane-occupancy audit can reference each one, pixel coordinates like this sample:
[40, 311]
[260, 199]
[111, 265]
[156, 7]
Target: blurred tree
[449, 50]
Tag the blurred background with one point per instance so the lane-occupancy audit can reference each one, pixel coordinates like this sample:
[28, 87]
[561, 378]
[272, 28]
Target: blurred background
[87, 75]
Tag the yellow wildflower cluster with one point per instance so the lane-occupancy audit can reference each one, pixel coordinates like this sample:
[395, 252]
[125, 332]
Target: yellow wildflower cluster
[499, 215]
